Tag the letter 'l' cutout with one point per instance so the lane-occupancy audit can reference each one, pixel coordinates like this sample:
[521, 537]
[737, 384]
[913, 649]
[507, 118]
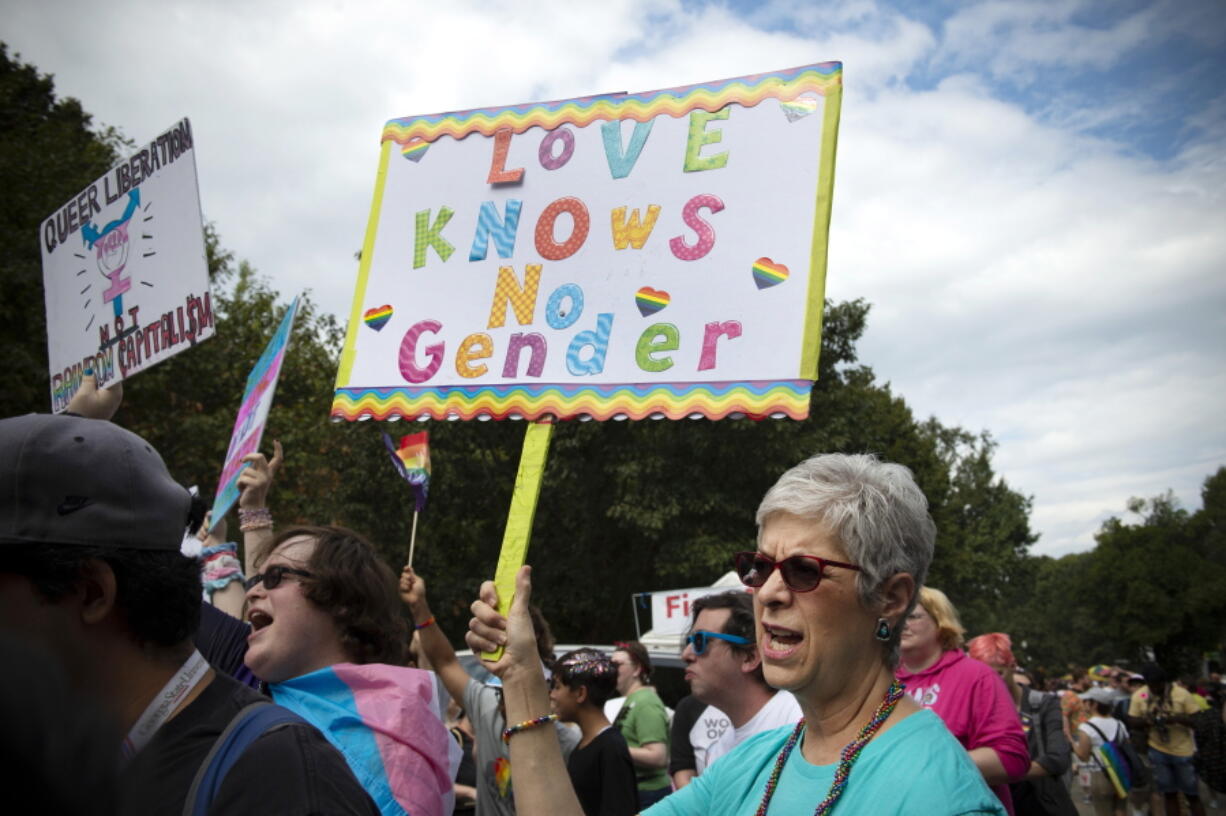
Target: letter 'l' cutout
[498, 172]
[621, 163]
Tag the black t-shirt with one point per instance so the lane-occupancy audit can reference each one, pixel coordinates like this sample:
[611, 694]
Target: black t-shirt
[222, 639]
[603, 776]
[292, 770]
[680, 751]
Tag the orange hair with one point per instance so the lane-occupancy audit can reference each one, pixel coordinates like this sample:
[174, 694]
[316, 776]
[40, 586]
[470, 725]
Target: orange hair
[994, 648]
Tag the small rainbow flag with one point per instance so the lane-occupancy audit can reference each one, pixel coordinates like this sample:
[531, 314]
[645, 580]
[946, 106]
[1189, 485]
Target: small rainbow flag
[411, 458]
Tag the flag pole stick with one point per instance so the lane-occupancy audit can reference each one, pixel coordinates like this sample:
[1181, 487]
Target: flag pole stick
[412, 538]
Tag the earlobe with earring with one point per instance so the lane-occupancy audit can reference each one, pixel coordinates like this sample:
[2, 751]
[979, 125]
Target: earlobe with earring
[883, 629]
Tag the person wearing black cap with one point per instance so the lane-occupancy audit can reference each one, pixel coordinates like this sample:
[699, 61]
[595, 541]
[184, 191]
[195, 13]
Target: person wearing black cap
[90, 573]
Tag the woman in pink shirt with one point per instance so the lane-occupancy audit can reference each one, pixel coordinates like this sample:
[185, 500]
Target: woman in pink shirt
[966, 694]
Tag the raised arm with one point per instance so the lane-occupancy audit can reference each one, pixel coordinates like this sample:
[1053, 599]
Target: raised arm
[542, 783]
[431, 640]
[254, 518]
[220, 570]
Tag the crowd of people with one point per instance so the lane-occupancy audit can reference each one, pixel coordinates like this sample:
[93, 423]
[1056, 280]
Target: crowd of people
[159, 668]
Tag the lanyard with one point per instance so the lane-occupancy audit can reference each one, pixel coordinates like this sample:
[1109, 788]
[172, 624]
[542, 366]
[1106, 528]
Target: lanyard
[165, 702]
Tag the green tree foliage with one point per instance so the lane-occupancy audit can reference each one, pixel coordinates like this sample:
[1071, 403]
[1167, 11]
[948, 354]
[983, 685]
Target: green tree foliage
[1152, 587]
[982, 557]
[48, 153]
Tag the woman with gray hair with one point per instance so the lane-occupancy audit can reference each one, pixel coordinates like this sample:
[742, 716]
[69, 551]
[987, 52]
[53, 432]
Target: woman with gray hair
[844, 542]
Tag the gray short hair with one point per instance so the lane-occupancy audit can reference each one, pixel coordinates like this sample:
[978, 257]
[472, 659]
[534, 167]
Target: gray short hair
[874, 508]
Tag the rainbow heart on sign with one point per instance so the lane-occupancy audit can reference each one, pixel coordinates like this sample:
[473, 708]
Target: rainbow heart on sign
[377, 317]
[413, 151]
[650, 300]
[767, 273]
[798, 108]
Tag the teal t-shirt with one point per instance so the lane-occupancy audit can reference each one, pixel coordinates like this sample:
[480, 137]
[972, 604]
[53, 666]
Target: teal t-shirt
[916, 767]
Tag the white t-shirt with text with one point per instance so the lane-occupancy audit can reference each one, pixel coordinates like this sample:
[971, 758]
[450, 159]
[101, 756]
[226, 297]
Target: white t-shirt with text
[713, 735]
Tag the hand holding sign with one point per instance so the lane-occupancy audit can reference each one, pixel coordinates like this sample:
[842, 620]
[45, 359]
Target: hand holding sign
[93, 402]
[490, 631]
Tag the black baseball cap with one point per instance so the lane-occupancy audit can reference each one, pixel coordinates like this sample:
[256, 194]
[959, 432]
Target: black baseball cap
[72, 480]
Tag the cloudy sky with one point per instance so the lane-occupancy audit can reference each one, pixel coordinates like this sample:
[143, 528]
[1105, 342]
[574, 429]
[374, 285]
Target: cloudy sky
[1029, 194]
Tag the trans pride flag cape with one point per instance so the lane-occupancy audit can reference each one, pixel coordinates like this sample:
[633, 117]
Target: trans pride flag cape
[385, 722]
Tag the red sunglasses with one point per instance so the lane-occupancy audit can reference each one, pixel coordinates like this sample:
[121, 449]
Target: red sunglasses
[801, 573]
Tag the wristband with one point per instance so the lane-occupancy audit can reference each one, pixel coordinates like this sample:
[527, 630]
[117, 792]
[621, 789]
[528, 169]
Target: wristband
[424, 623]
[259, 518]
[527, 724]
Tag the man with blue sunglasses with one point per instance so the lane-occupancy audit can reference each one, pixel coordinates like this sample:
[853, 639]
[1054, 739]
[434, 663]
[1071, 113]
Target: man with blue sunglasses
[724, 670]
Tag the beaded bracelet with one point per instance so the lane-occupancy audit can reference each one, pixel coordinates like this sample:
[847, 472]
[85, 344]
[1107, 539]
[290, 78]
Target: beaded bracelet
[525, 725]
[424, 623]
[259, 518]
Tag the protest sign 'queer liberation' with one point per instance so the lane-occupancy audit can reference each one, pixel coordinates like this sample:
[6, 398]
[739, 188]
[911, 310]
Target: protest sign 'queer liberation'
[632, 255]
[124, 271]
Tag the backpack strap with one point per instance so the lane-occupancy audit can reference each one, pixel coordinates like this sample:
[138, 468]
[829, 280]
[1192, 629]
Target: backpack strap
[248, 725]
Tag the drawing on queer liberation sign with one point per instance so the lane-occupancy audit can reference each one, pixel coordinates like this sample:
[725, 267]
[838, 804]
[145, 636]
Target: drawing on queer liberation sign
[632, 255]
[252, 414]
[124, 273]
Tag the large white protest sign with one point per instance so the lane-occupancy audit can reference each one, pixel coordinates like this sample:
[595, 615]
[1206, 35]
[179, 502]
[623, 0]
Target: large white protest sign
[124, 269]
[660, 254]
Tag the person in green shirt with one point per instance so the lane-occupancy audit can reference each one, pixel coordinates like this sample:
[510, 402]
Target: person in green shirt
[643, 721]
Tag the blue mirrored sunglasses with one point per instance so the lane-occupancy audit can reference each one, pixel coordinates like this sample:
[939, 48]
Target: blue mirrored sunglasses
[701, 637]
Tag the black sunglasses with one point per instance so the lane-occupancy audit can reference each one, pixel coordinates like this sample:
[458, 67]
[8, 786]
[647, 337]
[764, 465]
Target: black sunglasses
[801, 573]
[701, 638]
[271, 578]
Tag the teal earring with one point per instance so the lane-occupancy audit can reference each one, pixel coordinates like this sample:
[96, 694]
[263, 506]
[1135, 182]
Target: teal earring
[883, 629]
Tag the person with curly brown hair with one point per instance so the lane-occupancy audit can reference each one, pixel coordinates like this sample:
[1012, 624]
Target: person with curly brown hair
[328, 638]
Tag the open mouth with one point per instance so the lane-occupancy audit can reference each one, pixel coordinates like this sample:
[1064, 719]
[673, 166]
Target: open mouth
[779, 641]
[259, 619]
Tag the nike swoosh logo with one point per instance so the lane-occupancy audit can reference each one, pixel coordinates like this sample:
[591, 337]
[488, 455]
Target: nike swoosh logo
[72, 504]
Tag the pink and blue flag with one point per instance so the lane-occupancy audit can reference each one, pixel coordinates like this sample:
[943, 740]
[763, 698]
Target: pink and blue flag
[385, 721]
[411, 456]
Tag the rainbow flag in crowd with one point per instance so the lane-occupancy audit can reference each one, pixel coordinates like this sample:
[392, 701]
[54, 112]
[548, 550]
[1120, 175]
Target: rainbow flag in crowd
[386, 722]
[1116, 767]
[412, 460]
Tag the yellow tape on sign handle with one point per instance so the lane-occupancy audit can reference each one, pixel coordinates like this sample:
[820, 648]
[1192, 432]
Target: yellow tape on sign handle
[519, 518]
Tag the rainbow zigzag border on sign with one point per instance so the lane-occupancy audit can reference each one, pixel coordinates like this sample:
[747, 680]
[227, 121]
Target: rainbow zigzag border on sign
[711, 96]
[757, 400]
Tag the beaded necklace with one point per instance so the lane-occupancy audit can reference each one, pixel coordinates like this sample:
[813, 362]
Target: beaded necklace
[848, 756]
